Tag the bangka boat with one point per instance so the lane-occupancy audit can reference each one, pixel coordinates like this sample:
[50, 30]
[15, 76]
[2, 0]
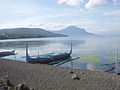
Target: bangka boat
[7, 53]
[47, 58]
[108, 67]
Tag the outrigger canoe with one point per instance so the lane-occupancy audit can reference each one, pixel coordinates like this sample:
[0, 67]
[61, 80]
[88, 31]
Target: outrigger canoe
[47, 58]
[7, 53]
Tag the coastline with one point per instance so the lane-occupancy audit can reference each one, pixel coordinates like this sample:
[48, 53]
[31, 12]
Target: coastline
[48, 77]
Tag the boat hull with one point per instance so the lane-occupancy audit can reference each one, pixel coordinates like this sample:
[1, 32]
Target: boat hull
[7, 53]
[47, 60]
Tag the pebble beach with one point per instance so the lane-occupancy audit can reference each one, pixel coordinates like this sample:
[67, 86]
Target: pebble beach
[49, 77]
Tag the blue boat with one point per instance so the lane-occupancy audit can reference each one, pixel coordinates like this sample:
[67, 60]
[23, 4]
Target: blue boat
[47, 58]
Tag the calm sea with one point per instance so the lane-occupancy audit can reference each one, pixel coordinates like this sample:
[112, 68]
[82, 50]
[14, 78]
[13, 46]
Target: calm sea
[89, 49]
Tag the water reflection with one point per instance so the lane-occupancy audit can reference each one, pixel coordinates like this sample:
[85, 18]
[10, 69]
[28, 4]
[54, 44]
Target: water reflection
[75, 43]
[21, 44]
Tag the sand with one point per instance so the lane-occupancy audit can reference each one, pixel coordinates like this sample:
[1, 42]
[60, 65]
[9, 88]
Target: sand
[48, 77]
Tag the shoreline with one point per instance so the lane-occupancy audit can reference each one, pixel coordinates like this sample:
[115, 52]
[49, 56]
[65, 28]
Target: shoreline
[48, 77]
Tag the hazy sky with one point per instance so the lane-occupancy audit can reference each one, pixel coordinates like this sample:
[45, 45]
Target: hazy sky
[94, 15]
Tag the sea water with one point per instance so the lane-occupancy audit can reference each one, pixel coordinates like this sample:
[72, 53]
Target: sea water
[100, 50]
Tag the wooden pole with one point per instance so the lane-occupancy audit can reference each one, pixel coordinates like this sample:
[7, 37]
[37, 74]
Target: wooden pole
[117, 64]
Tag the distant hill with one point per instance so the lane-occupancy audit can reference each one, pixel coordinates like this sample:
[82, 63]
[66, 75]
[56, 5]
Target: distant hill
[74, 31]
[27, 33]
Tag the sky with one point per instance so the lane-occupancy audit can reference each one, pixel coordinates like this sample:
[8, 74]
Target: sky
[96, 16]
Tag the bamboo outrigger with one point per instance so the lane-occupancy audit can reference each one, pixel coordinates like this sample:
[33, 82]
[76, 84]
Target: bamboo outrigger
[7, 53]
[47, 58]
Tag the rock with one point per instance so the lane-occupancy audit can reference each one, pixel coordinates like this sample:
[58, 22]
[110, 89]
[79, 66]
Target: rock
[5, 88]
[23, 87]
[19, 87]
[5, 71]
[8, 83]
[82, 73]
[75, 77]
[11, 88]
[71, 71]
[31, 89]
[1, 84]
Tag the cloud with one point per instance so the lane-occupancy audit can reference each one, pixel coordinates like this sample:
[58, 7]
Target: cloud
[112, 13]
[116, 2]
[54, 26]
[72, 2]
[89, 5]
[24, 11]
[95, 3]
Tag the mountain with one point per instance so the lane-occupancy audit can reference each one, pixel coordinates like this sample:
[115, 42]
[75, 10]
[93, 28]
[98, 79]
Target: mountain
[27, 33]
[74, 31]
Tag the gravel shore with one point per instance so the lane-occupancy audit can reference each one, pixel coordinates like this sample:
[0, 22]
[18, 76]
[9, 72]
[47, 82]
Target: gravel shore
[48, 77]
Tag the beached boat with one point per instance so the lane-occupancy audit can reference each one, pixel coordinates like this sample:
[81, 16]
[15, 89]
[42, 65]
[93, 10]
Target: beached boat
[47, 58]
[7, 53]
[108, 67]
